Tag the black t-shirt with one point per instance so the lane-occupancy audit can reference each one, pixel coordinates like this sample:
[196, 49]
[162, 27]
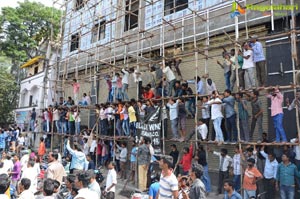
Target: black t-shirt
[202, 158]
[33, 115]
[174, 155]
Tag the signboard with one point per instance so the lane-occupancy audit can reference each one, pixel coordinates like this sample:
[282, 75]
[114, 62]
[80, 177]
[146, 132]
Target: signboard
[152, 127]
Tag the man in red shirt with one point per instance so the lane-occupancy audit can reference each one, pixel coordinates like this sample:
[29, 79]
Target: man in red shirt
[186, 160]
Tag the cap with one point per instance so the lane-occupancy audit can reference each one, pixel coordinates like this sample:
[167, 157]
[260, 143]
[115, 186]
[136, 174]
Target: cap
[173, 145]
[167, 159]
[254, 37]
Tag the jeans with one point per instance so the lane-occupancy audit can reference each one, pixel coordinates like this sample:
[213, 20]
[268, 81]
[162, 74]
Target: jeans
[58, 127]
[72, 127]
[83, 103]
[233, 80]
[171, 87]
[110, 96]
[241, 78]
[222, 176]
[46, 126]
[249, 193]
[119, 127]
[277, 120]
[231, 128]
[249, 77]
[119, 94]
[237, 182]
[174, 127]
[261, 72]
[133, 128]
[176, 64]
[63, 127]
[227, 79]
[244, 127]
[77, 128]
[269, 185]
[32, 125]
[124, 92]
[103, 126]
[206, 179]
[125, 127]
[191, 106]
[217, 126]
[259, 121]
[287, 192]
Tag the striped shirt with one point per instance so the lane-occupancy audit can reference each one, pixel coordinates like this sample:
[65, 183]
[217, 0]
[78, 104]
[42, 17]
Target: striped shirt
[167, 185]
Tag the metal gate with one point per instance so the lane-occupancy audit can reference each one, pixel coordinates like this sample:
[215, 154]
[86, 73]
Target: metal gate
[280, 72]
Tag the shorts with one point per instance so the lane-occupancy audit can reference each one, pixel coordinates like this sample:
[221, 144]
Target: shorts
[182, 122]
[132, 166]
[123, 166]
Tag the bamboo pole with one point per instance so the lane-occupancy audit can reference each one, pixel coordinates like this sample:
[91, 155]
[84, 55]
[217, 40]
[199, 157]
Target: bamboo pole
[294, 61]
[196, 74]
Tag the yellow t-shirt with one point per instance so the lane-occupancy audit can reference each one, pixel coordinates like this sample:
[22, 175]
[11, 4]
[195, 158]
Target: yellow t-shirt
[131, 114]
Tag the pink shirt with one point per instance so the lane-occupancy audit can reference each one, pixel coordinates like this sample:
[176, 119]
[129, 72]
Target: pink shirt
[276, 103]
[76, 87]
[119, 82]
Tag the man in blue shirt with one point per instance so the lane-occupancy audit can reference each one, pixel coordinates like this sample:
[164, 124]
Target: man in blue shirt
[259, 60]
[133, 161]
[230, 114]
[285, 178]
[3, 136]
[230, 193]
[78, 162]
[154, 187]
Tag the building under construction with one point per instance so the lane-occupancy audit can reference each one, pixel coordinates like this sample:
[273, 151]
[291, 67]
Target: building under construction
[100, 38]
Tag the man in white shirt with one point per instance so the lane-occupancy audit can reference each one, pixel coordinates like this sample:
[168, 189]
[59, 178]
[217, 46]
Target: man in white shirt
[236, 165]
[248, 66]
[111, 181]
[201, 130]
[173, 112]
[125, 83]
[94, 186]
[82, 182]
[216, 115]
[168, 184]
[7, 161]
[32, 174]
[24, 189]
[225, 164]
[170, 78]
[270, 173]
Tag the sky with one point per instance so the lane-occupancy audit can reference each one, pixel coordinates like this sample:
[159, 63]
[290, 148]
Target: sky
[14, 3]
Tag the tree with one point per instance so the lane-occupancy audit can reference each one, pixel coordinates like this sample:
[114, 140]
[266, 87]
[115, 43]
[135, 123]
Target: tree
[24, 28]
[8, 95]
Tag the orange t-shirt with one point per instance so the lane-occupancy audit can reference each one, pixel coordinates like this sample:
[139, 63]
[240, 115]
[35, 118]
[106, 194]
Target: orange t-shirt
[120, 107]
[42, 149]
[250, 177]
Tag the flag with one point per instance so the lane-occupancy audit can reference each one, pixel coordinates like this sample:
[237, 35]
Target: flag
[237, 9]
[151, 127]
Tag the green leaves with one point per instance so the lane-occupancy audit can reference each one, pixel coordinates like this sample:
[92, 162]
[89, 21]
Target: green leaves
[25, 27]
[8, 94]
[22, 31]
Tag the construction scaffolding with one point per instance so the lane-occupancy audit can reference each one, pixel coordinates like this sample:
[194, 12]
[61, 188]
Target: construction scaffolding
[99, 38]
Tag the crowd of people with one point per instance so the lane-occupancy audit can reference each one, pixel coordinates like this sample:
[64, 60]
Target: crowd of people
[41, 174]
